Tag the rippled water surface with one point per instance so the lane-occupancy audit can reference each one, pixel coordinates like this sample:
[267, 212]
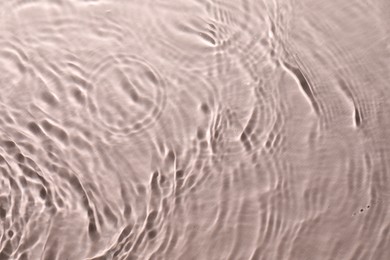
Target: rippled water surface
[195, 129]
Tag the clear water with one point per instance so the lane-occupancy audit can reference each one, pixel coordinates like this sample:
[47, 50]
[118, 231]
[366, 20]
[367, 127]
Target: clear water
[197, 129]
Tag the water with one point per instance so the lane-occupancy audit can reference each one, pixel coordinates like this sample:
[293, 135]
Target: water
[194, 129]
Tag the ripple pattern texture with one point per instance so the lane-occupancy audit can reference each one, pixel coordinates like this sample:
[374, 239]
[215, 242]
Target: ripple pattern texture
[195, 130]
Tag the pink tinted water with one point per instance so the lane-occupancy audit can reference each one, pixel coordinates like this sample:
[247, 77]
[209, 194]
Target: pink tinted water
[194, 130]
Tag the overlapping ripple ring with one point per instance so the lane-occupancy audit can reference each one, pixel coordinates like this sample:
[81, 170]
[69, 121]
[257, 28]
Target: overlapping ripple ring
[140, 100]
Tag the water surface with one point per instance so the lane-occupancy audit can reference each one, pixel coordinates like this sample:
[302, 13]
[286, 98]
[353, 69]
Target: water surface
[197, 129]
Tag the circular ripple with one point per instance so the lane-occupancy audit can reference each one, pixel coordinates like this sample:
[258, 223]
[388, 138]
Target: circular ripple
[128, 94]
